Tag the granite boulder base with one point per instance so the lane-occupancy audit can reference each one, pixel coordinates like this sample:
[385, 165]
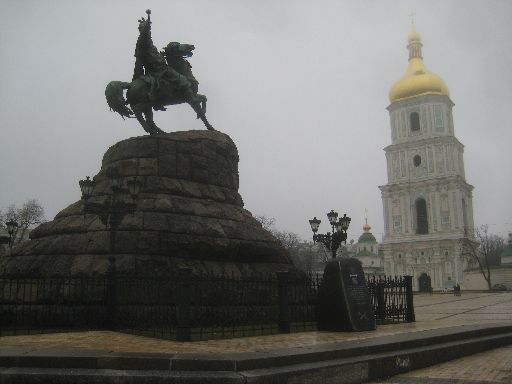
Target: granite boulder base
[188, 214]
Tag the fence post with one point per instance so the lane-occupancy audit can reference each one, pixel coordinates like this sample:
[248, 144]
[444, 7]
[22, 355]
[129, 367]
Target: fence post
[284, 307]
[381, 299]
[410, 317]
[183, 295]
[111, 295]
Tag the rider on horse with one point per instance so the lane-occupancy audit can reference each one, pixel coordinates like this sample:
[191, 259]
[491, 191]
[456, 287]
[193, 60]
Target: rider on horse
[155, 70]
[159, 79]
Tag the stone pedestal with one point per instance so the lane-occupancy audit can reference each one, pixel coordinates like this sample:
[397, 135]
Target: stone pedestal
[188, 214]
[343, 299]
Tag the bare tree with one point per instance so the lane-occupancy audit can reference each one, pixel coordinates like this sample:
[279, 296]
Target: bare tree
[309, 256]
[29, 215]
[291, 241]
[483, 251]
[288, 239]
[266, 222]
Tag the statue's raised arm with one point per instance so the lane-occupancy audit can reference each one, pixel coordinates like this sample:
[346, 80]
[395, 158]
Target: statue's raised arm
[148, 60]
[159, 79]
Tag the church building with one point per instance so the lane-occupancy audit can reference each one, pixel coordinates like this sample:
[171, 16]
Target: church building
[427, 202]
[367, 251]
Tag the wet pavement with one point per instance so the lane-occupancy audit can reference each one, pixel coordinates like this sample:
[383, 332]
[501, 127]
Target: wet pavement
[489, 367]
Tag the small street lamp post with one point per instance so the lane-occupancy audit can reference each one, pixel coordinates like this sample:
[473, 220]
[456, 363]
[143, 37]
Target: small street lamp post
[114, 209]
[339, 231]
[12, 230]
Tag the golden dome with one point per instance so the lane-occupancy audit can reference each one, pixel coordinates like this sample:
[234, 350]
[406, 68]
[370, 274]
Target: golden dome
[366, 227]
[417, 81]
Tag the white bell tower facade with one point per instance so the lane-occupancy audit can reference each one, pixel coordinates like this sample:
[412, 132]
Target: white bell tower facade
[427, 202]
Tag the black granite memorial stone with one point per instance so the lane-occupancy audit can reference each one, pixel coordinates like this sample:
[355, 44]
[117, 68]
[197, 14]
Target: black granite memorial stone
[343, 299]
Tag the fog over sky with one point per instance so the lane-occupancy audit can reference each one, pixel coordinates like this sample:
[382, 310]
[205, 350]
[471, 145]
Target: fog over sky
[300, 86]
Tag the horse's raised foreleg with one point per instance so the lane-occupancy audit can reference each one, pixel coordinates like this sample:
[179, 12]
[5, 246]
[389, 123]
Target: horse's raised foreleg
[201, 115]
[202, 101]
[144, 115]
[151, 123]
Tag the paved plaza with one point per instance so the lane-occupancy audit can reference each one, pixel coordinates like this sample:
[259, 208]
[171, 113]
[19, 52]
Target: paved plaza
[493, 366]
[432, 312]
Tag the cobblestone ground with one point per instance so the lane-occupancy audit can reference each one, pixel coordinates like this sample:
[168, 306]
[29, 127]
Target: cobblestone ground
[432, 311]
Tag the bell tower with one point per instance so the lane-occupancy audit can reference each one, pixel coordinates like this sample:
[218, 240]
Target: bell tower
[427, 202]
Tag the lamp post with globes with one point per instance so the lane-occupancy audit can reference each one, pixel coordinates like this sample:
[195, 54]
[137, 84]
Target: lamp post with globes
[339, 231]
[12, 230]
[113, 210]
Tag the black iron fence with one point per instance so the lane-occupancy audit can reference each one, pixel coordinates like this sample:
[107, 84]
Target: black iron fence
[181, 307]
[392, 298]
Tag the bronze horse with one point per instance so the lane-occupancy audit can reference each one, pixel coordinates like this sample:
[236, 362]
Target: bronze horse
[147, 93]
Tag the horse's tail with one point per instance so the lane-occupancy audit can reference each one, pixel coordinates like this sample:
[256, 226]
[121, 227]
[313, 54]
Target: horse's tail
[115, 98]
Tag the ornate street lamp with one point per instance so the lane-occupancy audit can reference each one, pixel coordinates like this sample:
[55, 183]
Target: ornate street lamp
[113, 210]
[339, 231]
[86, 186]
[12, 229]
[134, 187]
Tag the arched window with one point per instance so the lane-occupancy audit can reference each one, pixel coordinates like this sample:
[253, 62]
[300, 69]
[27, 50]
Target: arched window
[414, 119]
[421, 217]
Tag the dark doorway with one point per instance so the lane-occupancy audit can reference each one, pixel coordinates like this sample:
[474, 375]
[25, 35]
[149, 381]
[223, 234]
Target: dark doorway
[424, 283]
[421, 217]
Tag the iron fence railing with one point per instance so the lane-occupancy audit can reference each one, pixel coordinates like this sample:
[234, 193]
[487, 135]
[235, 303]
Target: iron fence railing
[392, 298]
[38, 305]
[183, 307]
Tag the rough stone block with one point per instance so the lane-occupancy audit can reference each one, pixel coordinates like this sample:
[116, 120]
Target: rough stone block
[149, 242]
[68, 244]
[183, 166]
[100, 264]
[209, 149]
[182, 205]
[126, 167]
[200, 175]
[145, 204]
[143, 146]
[125, 241]
[190, 188]
[156, 221]
[166, 147]
[189, 147]
[216, 193]
[131, 221]
[168, 165]
[171, 186]
[148, 166]
[99, 242]
[163, 204]
[81, 264]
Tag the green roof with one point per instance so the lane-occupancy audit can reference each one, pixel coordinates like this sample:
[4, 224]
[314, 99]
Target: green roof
[367, 237]
[507, 251]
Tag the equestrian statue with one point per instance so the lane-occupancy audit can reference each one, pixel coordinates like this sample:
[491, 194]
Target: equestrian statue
[159, 79]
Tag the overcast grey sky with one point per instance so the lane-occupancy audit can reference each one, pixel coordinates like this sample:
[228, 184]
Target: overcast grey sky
[301, 87]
